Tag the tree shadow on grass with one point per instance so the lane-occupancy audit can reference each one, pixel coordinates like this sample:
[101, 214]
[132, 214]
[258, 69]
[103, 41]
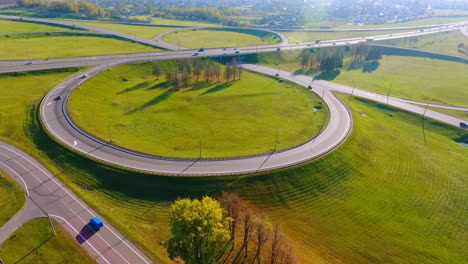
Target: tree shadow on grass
[370, 66]
[200, 85]
[217, 88]
[156, 100]
[161, 85]
[135, 87]
[328, 75]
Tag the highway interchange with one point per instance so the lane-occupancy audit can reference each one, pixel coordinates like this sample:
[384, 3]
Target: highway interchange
[48, 197]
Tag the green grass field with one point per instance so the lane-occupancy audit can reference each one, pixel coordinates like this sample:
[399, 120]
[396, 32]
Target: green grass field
[230, 119]
[35, 242]
[418, 22]
[445, 42]
[300, 36]
[414, 78]
[57, 45]
[9, 26]
[382, 197]
[214, 38]
[11, 198]
[148, 32]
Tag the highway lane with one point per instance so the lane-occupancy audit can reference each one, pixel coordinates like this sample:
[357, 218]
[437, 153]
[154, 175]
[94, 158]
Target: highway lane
[47, 196]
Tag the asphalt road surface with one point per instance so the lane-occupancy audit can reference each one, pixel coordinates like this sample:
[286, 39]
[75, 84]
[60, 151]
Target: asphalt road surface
[47, 196]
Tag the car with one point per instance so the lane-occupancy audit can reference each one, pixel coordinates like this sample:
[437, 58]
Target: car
[278, 49]
[195, 54]
[463, 125]
[201, 49]
[57, 98]
[317, 41]
[85, 76]
[224, 48]
[277, 74]
[28, 63]
[334, 43]
[308, 45]
[370, 39]
[237, 52]
[96, 223]
[309, 87]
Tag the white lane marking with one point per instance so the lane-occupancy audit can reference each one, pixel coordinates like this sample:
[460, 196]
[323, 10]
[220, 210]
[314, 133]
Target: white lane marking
[75, 199]
[49, 103]
[25, 185]
[75, 143]
[86, 241]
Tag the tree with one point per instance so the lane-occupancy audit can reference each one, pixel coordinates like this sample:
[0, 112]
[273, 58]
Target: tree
[375, 53]
[157, 71]
[262, 232]
[199, 229]
[305, 59]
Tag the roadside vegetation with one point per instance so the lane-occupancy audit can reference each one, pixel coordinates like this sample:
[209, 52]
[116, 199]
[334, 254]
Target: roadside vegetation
[34, 242]
[9, 26]
[456, 113]
[418, 22]
[415, 78]
[176, 22]
[371, 200]
[215, 38]
[453, 42]
[59, 45]
[304, 36]
[142, 31]
[196, 107]
[12, 198]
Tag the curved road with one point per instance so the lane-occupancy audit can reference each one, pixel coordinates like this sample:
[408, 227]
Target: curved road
[47, 196]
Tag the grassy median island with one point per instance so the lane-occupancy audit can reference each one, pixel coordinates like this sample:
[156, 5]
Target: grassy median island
[415, 78]
[59, 45]
[383, 197]
[144, 31]
[9, 26]
[225, 37]
[12, 198]
[235, 118]
[35, 242]
[307, 36]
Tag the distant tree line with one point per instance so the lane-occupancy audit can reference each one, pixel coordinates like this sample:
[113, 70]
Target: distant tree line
[188, 71]
[214, 15]
[225, 231]
[79, 8]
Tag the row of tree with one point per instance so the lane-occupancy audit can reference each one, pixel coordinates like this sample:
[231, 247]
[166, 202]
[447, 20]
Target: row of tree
[79, 8]
[214, 15]
[332, 59]
[188, 70]
[227, 231]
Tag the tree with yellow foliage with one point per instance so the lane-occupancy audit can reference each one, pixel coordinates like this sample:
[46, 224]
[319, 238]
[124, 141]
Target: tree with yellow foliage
[200, 229]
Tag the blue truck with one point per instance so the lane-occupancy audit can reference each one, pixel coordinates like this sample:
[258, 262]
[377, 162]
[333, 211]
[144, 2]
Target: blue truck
[96, 223]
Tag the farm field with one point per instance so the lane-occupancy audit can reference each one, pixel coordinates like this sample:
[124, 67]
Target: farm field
[8, 26]
[300, 36]
[418, 22]
[369, 201]
[238, 118]
[414, 78]
[12, 198]
[214, 38]
[445, 42]
[57, 45]
[35, 242]
[148, 32]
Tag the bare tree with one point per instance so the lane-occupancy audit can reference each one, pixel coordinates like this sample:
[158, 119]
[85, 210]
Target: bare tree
[275, 245]
[197, 68]
[262, 232]
[157, 71]
[247, 221]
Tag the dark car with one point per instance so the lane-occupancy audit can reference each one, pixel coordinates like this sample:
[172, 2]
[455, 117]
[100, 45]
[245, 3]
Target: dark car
[195, 54]
[278, 49]
[463, 125]
[57, 98]
[237, 51]
[309, 87]
[201, 49]
[317, 41]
